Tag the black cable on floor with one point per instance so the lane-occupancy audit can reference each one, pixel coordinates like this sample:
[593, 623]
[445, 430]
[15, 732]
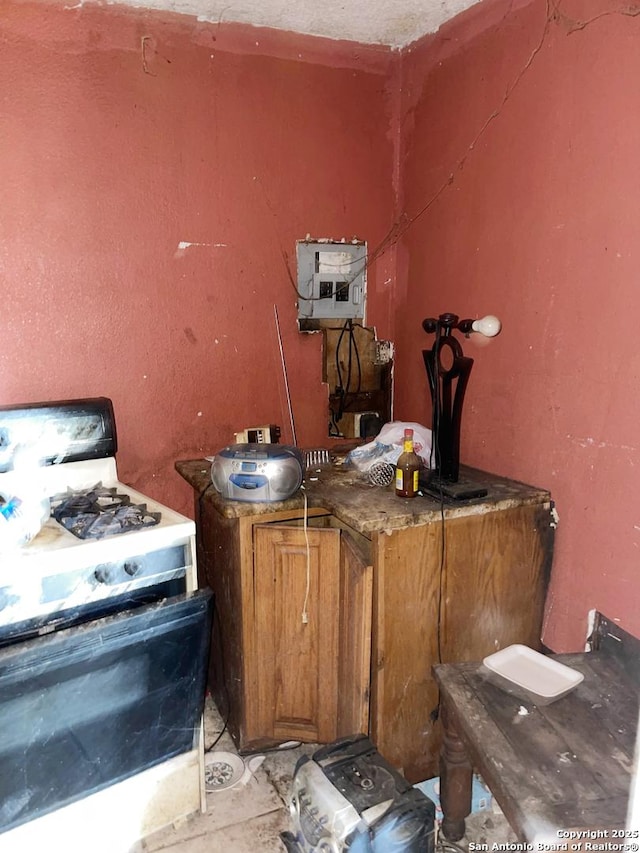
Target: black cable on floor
[216, 621]
[224, 728]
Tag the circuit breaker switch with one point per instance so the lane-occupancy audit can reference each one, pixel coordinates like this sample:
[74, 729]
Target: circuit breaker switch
[342, 291]
[326, 289]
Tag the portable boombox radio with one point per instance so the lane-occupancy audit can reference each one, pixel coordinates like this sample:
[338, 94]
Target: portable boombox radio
[257, 472]
[346, 797]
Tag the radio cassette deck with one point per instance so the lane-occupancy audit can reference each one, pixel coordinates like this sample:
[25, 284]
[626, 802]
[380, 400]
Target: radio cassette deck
[258, 472]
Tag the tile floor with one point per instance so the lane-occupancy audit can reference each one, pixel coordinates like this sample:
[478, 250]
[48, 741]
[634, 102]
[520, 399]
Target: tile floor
[248, 818]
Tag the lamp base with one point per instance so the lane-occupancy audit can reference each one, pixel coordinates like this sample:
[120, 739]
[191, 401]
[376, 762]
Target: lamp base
[463, 490]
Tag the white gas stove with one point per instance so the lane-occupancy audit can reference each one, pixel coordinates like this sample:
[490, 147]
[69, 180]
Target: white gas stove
[103, 639]
[41, 450]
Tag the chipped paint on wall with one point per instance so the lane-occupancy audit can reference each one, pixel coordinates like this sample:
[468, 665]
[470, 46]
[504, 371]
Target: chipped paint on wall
[183, 245]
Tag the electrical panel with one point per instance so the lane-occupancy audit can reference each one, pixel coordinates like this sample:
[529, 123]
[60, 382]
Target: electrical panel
[331, 280]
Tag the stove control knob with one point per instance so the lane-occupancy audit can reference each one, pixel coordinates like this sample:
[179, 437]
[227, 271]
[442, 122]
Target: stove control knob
[105, 573]
[132, 567]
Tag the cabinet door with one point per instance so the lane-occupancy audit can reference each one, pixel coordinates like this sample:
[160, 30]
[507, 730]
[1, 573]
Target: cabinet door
[354, 639]
[297, 589]
[312, 676]
[487, 594]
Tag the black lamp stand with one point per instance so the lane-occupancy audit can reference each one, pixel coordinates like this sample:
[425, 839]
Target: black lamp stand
[448, 372]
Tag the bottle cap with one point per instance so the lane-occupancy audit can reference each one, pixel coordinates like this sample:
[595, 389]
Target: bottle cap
[408, 433]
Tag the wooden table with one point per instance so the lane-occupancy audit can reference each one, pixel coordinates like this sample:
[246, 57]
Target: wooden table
[553, 769]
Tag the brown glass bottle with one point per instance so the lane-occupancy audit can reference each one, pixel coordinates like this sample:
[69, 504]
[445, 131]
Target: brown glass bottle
[407, 468]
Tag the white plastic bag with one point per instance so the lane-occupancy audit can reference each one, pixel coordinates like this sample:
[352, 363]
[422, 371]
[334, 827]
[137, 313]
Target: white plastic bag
[387, 446]
[393, 433]
[24, 506]
[20, 520]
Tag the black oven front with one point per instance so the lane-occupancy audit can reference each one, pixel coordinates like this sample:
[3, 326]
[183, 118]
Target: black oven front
[99, 696]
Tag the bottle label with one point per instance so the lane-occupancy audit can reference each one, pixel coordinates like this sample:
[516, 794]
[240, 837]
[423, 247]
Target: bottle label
[411, 485]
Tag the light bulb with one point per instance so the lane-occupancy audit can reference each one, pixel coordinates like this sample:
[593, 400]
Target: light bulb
[488, 326]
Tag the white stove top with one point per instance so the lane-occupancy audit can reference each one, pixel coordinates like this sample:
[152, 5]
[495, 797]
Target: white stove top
[55, 549]
[57, 571]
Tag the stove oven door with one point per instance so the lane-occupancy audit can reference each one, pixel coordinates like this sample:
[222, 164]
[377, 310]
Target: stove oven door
[94, 704]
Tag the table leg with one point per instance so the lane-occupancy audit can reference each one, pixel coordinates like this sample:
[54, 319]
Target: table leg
[455, 779]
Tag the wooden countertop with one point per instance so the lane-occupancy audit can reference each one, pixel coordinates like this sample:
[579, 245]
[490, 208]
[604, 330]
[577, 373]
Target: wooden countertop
[346, 494]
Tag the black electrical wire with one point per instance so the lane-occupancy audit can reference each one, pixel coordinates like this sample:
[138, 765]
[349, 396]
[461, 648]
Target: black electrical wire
[436, 457]
[216, 621]
[342, 388]
[339, 386]
[334, 429]
[293, 745]
[370, 331]
[348, 382]
[223, 730]
[353, 339]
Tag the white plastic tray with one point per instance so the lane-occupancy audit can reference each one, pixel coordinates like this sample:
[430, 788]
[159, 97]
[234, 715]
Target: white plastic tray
[534, 672]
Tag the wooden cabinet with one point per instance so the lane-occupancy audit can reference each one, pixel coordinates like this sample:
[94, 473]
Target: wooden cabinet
[389, 587]
[290, 657]
[483, 592]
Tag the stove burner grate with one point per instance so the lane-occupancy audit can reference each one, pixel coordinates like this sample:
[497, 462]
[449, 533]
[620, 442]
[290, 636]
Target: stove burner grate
[100, 511]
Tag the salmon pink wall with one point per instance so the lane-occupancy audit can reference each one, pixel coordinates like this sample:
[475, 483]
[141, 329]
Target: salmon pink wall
[156, 173]
[521, 177]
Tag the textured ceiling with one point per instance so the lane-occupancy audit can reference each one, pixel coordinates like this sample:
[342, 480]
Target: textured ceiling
[390, 22]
